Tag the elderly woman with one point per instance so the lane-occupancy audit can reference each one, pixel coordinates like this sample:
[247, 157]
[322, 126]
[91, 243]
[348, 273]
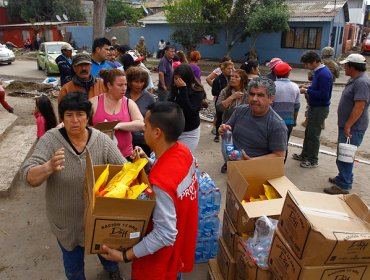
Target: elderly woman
[114, 105]
[188, 93]
[137, 81]
[59, 160]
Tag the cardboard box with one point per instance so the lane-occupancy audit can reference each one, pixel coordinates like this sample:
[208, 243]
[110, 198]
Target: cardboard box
[245, 268]
[214, 272]
[106, 127]
[286, 266]
[117, 223]
[229, 234]
[326, 229]
[245, 179]
[225, 261]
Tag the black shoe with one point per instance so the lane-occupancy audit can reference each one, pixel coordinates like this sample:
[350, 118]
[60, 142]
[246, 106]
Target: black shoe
[298, 157]
[332, 180]
[224, 168]
[335, 190]
[217, 139]
[115, 275]
[11, 110]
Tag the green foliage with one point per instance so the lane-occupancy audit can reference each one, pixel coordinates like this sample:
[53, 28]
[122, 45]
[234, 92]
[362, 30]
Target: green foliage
[44, 10]
[117, 11]
[186, 17]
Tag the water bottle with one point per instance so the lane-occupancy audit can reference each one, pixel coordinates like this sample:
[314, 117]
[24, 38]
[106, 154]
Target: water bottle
[215, 245]
[262, 259]
[216, 225]
[228, 145]
[207, 248]
[235, 154]
[208, 227]
[202, 203]
[217, 201]
[146, 194]
[209, 203]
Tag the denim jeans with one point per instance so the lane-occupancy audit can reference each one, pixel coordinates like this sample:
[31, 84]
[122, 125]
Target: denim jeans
[344, 178]
[74, 263]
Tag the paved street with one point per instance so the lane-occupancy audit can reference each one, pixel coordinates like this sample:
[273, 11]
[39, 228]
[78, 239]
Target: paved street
[29, 250]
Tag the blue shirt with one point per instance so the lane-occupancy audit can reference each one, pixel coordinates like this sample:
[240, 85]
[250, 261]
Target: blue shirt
[319, 92]
[96, 67]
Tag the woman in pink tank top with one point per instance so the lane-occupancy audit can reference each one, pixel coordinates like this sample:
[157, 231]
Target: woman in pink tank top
[113, 105]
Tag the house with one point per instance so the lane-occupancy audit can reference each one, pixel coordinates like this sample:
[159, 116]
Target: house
[313, 25]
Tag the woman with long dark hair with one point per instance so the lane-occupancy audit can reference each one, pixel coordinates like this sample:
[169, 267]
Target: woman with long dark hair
[188, 93]
[44, 114]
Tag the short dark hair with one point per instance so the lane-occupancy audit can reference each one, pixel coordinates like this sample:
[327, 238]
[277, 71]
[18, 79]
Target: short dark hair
[99, 43]
[74, 101]
[249, 65]
[168, 117]
[137, 73]
[310, 57]
[166, 48]
[361, 67]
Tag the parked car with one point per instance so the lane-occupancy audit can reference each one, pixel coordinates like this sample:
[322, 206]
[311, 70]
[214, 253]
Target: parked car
[46, 56]
[6, 55]
[366, 44]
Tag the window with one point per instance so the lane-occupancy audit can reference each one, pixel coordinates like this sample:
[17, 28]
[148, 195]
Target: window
[302, 38]
[25, 35]
[341, 35]
[333, 36]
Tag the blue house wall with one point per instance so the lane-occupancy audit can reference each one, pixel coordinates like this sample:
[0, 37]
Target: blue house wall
[81, 35]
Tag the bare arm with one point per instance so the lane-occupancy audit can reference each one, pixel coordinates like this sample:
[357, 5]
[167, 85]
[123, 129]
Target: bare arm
[161, 80]
[356, 113]
[137, 120]
[210, 78]
[38, 174]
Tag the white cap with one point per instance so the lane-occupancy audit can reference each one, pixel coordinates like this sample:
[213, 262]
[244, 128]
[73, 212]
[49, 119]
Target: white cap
[66, 47]
[114, 38]
[355, 58]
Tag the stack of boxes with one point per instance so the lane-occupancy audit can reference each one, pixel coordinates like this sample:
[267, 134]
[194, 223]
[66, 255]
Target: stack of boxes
[322, 237]
[245, 180]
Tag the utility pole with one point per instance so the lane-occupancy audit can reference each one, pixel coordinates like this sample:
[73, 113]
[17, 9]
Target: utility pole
[100, 13]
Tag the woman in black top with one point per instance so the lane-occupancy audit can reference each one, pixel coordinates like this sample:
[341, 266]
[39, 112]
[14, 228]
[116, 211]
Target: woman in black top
[188, 93]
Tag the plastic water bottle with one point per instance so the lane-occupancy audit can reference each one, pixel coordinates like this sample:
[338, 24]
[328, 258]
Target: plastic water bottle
[228, 145]
[216, 225]
[235, 154]
[202, 203]
[217, 201]
[146, 194]
[215, 245]
[208, 227]
[207, 248]
[209, 204]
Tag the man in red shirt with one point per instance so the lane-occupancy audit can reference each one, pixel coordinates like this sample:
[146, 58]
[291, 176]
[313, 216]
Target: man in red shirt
[166, 250]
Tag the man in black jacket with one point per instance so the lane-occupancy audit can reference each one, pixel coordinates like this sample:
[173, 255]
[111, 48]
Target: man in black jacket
[64, 62]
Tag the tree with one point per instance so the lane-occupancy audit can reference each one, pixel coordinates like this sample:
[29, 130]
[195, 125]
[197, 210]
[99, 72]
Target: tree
[100, 13]
[44, 10]
[117, 11]
[270, 16]
[188, 21]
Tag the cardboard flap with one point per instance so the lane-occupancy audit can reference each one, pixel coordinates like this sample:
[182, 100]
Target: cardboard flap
[263, 208]
[282, 185]
[237, 183]
[106, 206]
[259, 168]
[106, 126]
[358, 207]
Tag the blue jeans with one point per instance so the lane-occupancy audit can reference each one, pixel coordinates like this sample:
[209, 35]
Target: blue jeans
[344, 178]
[74, 263]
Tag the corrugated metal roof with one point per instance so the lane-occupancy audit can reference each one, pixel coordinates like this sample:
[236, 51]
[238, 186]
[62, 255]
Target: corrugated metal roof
[316, 10]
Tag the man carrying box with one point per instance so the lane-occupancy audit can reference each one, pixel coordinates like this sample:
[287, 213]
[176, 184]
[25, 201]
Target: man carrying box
[167, 250]
[257, 129]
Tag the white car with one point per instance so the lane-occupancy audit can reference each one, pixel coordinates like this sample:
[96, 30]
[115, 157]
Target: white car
[6, 55]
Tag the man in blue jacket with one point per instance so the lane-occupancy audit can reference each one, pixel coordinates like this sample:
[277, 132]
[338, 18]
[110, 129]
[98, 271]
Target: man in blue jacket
[64, 62]
[319, 95]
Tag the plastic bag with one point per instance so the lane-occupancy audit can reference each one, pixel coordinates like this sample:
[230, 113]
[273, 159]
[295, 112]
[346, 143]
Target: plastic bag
[270, 192]
[134, 191]
[102, 180]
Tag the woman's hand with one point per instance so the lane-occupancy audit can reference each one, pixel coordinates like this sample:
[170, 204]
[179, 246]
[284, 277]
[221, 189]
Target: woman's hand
[237, 95]
[180, 82]
[137, 153]
[56, 163]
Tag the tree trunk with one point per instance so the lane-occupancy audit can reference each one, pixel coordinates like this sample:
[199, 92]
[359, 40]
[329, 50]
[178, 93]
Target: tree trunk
[100, 12]
[252, 49]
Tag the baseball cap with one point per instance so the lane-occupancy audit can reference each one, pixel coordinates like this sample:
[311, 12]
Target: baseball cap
[66, 47]
[282, 69]
[355, 58]
[124, 48]
[273, 62]
[129, 59]
[81, 58]
[114, 38]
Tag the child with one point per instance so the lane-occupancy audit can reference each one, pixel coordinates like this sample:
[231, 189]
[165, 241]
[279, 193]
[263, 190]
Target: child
[3, 102]
[45, 115]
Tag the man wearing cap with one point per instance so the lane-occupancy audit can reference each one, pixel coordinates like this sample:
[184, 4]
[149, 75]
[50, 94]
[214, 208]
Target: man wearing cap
[64, 62]
[319, 95]
[141, 47]
[165, 72]
[353, 118]
[114, 40]
[287, 97]
[100, 55]
[272, 64]
[82, 81]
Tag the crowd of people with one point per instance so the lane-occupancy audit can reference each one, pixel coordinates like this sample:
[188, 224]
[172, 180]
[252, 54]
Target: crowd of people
[113, 84]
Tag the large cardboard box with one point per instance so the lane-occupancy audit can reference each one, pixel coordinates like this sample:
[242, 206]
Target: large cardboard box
[107, 127]
[117, 223]
[245, 179]
[230, 236]
[245, 268]
[326, 229]
[225, 261]
[286, 266]
[214, 272]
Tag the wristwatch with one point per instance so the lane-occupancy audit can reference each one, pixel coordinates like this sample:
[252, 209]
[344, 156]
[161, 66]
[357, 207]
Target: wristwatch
[125, 259]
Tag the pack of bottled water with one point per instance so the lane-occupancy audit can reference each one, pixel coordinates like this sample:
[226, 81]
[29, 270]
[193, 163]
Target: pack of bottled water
[209, 200]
